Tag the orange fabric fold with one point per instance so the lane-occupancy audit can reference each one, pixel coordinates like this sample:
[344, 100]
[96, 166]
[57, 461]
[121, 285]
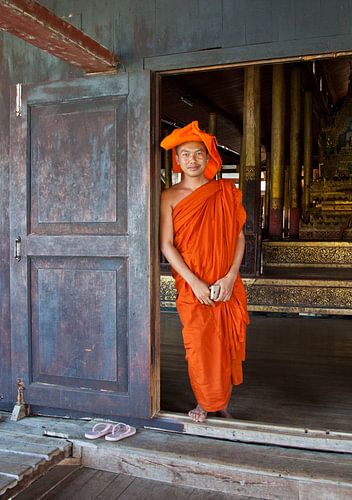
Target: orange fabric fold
[206, 228]
[191, 133]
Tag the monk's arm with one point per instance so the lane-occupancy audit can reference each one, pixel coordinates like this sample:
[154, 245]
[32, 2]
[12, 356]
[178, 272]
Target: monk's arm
[200, 289]
[227, 282]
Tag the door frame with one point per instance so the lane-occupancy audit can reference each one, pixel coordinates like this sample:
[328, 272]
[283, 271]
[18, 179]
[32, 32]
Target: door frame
[235, 430]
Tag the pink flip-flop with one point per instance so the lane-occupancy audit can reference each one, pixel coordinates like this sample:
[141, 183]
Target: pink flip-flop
[120, 431]
[99, 430]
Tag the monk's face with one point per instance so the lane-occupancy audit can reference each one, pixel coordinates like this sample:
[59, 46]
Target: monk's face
[192, 157]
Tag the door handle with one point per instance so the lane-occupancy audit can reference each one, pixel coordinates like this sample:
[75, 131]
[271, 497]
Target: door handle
[17, 249]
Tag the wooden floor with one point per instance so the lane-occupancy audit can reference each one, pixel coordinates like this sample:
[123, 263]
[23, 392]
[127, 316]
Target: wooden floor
[66, 482]
[298, 372]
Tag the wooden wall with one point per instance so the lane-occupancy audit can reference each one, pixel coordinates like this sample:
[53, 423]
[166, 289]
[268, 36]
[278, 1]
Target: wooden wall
[161, 34]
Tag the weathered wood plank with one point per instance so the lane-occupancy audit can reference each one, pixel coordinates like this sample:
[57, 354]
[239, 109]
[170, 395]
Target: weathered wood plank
[82, 484]
[280, 50]
[20, 459]
[328, 17]
[116, 488]
[37, 25]
[309, 491]
[231, 468]
[234, 25]
[5, 325]
[33, 445]
[202, 29]
[6, 482]
[15, 470]
[47, 482]
[144, 489]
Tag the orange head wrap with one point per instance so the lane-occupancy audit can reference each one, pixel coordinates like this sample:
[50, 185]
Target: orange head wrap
[191, 133]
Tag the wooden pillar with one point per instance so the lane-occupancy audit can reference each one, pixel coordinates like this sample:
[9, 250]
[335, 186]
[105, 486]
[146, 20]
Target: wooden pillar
[168, 165]
[277, 151]
[250, 168]
[212, 129]
[286, 202]
[168, 169]
[267, 193]
[213, 124]
[307, 156]
[242, 158]
[295, 167]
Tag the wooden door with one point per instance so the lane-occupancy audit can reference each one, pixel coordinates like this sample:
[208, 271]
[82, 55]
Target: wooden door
[80, 203]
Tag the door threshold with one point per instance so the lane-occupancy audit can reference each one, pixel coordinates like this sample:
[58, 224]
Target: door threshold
[259, 433]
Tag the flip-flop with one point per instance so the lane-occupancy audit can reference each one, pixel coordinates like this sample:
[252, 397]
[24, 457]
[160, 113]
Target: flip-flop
[99, 430]
[120, 431]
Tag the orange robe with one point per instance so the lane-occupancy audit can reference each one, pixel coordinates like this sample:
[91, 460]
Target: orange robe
[206, 227]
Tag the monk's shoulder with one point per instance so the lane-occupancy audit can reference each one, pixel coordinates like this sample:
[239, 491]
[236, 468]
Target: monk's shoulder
[173, 195]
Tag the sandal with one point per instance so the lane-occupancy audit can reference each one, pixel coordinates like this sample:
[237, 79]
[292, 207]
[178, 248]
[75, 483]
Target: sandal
[99, 430]
[120, 431]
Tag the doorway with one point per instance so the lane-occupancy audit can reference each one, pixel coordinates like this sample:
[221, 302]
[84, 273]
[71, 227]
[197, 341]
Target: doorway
[298, 365]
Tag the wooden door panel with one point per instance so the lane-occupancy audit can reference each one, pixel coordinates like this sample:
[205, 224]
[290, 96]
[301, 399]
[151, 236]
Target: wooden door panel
[79, 322]
[78, 180]
[81, 297]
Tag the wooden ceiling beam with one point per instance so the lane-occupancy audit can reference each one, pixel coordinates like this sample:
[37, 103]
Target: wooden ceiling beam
[37, 25]
[204, 102]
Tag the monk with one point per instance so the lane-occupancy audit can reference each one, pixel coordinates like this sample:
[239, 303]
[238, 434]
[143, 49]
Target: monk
[202, 239]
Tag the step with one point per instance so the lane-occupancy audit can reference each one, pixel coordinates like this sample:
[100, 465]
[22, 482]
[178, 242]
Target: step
[219, 465]
[257, 471]
[24, 457]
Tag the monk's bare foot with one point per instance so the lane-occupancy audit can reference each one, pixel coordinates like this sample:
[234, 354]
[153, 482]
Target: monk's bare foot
[224, 413]
[198, 414]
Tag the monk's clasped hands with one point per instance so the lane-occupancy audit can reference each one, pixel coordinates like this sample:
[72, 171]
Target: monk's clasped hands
[202, 292]
[226, 287]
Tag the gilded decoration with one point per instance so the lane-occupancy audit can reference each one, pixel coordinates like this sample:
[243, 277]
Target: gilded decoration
[167, 291]
[329, 216]
[251, 172]
[301, 254]
[278, 295]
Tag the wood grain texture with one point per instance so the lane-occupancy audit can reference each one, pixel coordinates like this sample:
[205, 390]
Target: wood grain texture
[61, 290]
[52, 478]
[232, 468]
[37, 25]
[81, 325]
[90, 484]
[5, 332]
[297, 372]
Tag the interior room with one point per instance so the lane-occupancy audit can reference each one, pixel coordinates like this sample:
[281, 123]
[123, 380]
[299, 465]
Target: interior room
[298, 366]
